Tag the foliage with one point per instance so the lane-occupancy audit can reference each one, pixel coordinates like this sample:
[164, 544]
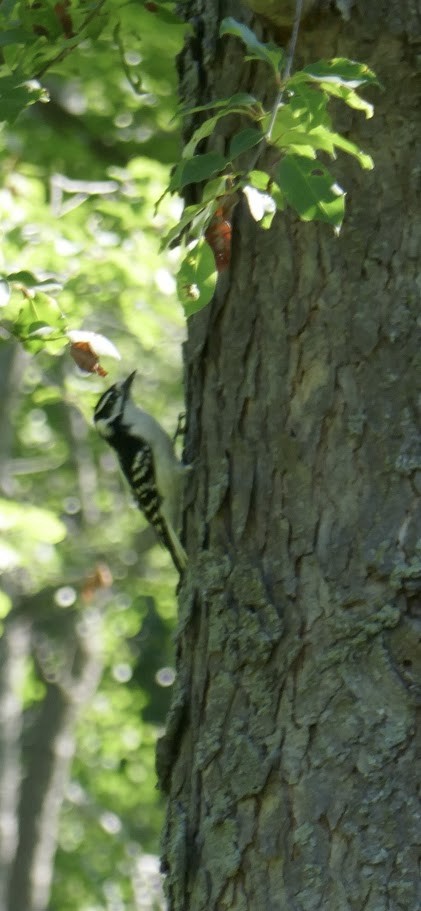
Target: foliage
[58, 44]
[281, 148]
[80, 254]
[275, 161]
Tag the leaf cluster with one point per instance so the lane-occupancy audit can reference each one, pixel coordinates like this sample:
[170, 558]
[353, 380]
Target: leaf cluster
[281, 147]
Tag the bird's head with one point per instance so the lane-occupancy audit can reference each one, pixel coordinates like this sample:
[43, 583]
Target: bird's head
[110, 408]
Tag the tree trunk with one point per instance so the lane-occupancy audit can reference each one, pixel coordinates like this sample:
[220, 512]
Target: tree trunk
[290, 747]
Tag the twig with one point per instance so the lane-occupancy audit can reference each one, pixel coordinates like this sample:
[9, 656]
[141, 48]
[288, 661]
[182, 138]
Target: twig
[134, 81]
[67, 50]
[288, 66]
[280, 94]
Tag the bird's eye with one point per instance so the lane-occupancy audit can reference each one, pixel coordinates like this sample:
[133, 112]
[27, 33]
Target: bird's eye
[106, 402]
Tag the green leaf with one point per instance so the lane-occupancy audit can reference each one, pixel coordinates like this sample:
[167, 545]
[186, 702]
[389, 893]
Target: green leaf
[197, 278]
[308, 138]
[39, 524]
[243, 141]
[349, 97]
[41, 315]
[341, 71]
[36, 337]
[351, 148]
[41, 337]
[16, 94]
[309, 106]
[188, 216]
[14, 36]
[304, 126]
[207, 128]
[304, 112]
[259, 179]
[267, 220]
[317, 138]
[214, 188]
[29, 280]
[256, 50]
[202, 132]
[46, 308]
[326, 139]
[201, 167]
[43, 309]
[237, 102]
[311, 190]
[338, 77]
[278, 197]
[174, 183]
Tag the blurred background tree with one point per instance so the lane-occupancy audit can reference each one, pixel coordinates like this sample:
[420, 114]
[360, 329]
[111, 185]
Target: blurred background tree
[86, 651]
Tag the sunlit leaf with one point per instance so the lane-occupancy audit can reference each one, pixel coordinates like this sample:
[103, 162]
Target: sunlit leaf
[39, 317]
[327, 140]
[338, 77]
[351, 148]
[342, 71]
[259, 179]
[349, 97]
[39, 336]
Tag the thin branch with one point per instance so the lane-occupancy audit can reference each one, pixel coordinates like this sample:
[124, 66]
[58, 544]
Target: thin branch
[288, 66]
[282, 79]
[134, 81]
[67, 50]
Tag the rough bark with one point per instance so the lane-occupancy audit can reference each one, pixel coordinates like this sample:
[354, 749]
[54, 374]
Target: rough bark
[290, 754]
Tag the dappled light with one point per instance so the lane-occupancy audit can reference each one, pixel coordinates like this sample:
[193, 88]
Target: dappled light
[90, 298]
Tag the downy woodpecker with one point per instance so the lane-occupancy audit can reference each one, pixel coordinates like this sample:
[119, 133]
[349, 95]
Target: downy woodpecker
[147, 458]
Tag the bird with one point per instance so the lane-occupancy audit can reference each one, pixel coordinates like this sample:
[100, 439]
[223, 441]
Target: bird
[148, 461]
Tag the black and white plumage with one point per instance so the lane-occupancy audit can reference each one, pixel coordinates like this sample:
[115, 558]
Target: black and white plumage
[147, 458]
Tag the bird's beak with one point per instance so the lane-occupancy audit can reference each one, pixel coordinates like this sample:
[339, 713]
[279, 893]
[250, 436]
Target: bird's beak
[127, 384]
